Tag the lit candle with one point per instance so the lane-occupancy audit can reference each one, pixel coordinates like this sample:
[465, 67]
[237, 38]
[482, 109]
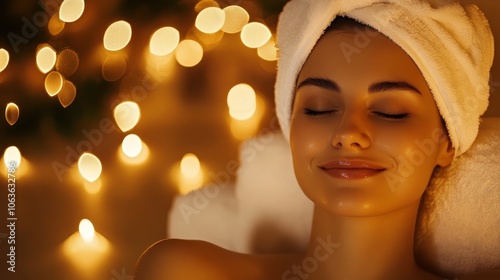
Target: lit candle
[86, 248]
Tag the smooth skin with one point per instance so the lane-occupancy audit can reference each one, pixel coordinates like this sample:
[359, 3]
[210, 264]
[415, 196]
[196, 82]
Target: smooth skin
[373, 106]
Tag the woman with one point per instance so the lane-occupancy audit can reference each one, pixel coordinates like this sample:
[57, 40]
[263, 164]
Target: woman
[357, 114]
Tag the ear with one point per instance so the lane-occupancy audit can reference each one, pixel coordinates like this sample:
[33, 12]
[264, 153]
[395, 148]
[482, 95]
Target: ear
[446, 152]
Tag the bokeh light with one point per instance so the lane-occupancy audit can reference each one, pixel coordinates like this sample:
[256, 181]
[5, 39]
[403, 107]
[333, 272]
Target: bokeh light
[202, 5]
[90, 167]
[4, 59]
[67, 62]
[114, 66]
[236, 18]
[86, 230]
[190, 165]
[12, 155]
[67, 94]
[71, 10]
[117, 35]
[189, 53]
[164, 41]
[241, 101]
[255, 34]
[210, 20]
[132, 145]
[53, 83]
[127, 115]
[46, 58]
[11, 113]
[268, 51]
[56, 25]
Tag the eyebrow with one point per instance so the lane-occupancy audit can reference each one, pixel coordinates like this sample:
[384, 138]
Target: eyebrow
[374, 88]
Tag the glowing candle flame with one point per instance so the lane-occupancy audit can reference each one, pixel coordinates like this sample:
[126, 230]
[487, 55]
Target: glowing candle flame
[189, 53]
[190, 165]
[86, 230]
[210, 20]
[164, 41]
[46, 59]
[67, 94]
[90, 167]
[132, 145]
[12, 155]
[4, 59]
[53, 83]
[255, 34]
[236, 18]
[71, 10]
[241, 101]
[117, 35]
[127, 115]
[11, 113]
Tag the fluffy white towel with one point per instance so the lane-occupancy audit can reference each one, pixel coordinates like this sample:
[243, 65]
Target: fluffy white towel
[458, 230]
[452, 46]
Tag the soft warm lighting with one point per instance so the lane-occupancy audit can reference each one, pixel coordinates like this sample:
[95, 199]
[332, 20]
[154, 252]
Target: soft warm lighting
[241, 101]
[67, 94]
[189, 53]
[164, 41]
[11, 113]
[268, 51]
[71, 10]
[202, 5]
[12, 155]
[127, 115]
[210, 20]
[209, 40]
[117, 36]
[114, 66]
[236, 18]
[255, 34]
[246, 129]
[53, 83]
[46, 58]
[86, 230]
[67, 62]
[4, 59]
[190, 165]
[56, 25]
[132, 145]
[90, 167]
[93, 187]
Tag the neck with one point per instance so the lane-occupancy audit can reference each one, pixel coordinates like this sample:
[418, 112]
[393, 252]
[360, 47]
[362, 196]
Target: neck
[378, 247]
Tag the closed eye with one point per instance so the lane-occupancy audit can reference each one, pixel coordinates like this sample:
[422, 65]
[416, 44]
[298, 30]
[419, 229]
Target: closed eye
[392, 116]
[316, 113]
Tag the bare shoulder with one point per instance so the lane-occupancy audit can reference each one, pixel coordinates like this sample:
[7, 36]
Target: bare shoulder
[193, 259]
[483, 275]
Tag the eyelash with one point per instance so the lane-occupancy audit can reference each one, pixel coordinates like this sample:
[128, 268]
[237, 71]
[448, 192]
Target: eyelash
[315, 113]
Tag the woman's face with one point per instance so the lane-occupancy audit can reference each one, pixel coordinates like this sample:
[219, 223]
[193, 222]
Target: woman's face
[365, 131]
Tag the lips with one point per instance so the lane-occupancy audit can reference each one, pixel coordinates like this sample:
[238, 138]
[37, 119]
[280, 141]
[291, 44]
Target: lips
[351, 169]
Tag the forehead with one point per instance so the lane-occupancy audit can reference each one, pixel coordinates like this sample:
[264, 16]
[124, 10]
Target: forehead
[355, 53]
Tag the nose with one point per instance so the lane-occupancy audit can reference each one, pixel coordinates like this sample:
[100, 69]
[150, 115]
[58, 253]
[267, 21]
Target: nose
[351, 134]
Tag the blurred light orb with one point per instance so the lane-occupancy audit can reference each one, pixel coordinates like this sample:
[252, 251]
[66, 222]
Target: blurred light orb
[236, 18]
[127, 115]
[71, 10]
[67, 62]
[46, 59]
[12, 113]
[132, 145]
[164, 41]
[67, 94]
[86, 230]
[255, 34]
[190, 165]
[89, 166]
[117, 35]
[12, 155]
[242, 102]
[189, 53]
[56, 25]
[210, 20]
[4, 59]
[53, 83]
[114, 66]
[200, 6]
[268, 51]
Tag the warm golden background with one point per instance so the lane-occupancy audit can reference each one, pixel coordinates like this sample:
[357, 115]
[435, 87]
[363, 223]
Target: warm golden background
[183, 110]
